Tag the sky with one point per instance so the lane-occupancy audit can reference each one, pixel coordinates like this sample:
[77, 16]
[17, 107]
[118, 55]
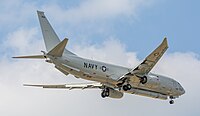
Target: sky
[121, 32]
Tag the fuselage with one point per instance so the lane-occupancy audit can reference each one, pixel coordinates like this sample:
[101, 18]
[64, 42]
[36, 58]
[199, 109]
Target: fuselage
[157, 86]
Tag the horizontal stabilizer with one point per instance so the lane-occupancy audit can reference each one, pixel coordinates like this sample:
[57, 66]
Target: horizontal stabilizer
[33, 57]
[59, 49]
[69, 86]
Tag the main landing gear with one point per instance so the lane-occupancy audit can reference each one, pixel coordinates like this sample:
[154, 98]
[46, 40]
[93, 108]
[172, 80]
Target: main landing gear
[126, 87]
[105, 93]
[143, 80]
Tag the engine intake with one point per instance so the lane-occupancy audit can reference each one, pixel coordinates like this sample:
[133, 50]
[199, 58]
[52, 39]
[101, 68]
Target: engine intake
[109, 92]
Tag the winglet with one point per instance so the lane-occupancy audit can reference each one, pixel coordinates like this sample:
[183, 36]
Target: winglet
[59, 49]
[165, 42]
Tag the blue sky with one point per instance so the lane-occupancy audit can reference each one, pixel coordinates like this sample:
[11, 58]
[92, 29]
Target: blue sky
[116, 31]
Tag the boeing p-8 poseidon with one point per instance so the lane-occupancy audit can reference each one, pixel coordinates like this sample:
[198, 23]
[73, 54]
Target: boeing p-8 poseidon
[113, 80]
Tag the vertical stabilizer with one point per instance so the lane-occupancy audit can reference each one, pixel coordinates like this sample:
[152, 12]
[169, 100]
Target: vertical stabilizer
[50, 37]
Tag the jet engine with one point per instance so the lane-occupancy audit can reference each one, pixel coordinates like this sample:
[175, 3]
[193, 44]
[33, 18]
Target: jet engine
[109, 92]
[115, 94]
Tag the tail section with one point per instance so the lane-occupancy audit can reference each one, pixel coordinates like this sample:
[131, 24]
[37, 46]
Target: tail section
[50, 37]
[54, 46]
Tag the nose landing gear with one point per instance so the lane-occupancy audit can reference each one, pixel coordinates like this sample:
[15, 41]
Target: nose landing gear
[171, 100]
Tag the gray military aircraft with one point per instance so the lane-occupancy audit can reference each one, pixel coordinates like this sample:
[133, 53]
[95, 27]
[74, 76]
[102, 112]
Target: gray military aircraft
[113, 80]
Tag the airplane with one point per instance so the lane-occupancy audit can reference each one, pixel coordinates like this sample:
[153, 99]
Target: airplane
[113, 80]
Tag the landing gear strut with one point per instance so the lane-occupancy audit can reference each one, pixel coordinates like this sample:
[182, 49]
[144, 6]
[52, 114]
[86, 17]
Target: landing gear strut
[105, 93]
[126, 87]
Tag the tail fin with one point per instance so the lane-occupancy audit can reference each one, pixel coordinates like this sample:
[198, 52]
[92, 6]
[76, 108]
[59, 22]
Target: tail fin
[50, 37]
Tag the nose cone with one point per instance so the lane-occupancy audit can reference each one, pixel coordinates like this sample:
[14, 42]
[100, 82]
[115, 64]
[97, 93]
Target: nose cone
[183, 91]
[180, 89]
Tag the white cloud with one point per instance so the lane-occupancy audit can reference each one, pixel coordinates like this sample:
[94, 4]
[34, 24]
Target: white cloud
[16, 12]
[20, 40]
[97, 10]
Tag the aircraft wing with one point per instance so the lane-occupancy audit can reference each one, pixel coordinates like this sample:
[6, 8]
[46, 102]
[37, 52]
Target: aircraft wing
[69, 86]
[149, 62]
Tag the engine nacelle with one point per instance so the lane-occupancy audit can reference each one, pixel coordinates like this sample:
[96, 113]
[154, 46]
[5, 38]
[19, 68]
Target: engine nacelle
[115, 94]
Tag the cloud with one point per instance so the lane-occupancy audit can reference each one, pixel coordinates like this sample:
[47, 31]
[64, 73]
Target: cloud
[95, 10]
[21, 12]
[16, 12]
[20, 40]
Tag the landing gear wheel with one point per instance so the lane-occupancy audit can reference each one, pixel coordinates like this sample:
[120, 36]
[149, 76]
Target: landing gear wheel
[171, 97]
[127, 87]
[171, 101]
[143, 80]
[105, 93]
